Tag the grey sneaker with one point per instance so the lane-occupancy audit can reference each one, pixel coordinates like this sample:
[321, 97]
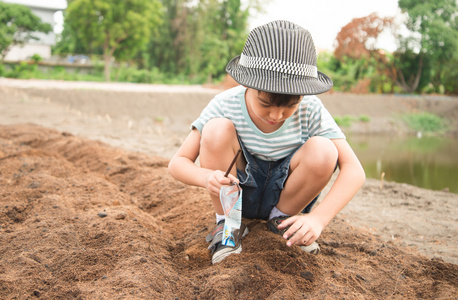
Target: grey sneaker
[219, 251]
[273, 223]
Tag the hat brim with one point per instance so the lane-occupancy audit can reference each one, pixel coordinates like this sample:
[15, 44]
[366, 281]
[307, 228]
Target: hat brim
[274, 82]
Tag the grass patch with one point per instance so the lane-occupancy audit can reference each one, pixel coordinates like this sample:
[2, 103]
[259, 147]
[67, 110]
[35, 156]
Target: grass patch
[346, 121]
[425, 122]
[364, 118]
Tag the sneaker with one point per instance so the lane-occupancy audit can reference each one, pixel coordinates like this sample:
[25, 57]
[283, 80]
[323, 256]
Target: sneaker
[219, 251]
[273, 223]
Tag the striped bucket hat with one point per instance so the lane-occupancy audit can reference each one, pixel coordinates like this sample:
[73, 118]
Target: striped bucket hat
[279, 57]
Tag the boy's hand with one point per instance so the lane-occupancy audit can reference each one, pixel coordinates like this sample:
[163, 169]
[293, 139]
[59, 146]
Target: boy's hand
[304, 230]
[216, 180]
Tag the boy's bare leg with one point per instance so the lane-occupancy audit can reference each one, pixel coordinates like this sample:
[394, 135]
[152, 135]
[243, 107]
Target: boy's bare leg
[310, 171]
[218, 146]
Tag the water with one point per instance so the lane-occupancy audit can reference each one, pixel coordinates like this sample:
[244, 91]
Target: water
[427, 162]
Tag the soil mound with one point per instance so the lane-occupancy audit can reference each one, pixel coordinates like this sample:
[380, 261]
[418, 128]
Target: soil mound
[81, 219]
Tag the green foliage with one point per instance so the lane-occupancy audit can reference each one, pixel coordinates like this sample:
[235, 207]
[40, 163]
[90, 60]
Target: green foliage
[347, 121]
[198, 39]
[36, 58]
[413, 70]
[424, 122]
[23, 70]
[121, 27]
[364, 118]
[347, 72]
[132, 74]
[18, 25]
[227, 22]
[344, 121]
[70, 42]
[186, 41]
[434, 22]
[426, 61]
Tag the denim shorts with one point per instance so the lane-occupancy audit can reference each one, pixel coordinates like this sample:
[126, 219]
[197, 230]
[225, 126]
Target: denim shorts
[262, 183]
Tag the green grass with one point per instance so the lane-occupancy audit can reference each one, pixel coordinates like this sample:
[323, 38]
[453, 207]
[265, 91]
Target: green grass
[25, 70]
[346, 121]
[425, 122]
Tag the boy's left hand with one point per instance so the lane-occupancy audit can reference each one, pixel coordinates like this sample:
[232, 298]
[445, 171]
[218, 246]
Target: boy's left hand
[303, 230]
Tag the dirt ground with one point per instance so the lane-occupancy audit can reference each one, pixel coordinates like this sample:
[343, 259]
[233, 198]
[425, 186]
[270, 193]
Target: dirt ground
[87, 209]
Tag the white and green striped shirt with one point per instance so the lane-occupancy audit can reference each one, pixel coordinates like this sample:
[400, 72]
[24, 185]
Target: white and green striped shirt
[310, 119]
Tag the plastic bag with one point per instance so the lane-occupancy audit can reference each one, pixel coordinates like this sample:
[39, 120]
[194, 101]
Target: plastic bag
[231, 201]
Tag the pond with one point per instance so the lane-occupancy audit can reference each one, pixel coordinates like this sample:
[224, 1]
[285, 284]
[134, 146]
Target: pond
[427, 162]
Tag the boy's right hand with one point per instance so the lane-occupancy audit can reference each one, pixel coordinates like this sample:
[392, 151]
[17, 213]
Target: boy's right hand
[216, 179]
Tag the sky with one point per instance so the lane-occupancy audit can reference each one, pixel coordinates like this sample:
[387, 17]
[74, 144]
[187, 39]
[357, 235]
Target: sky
[324, 18]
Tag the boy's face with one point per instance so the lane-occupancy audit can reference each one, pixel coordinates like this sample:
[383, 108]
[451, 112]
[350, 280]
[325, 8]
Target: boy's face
[269, 114]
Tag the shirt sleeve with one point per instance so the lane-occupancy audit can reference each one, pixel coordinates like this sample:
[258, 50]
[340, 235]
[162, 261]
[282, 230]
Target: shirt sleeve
[320, 122]
[212, 110]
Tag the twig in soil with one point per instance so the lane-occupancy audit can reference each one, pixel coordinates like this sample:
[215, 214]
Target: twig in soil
[396, 284]
[277, 288]
[286, 265]
[232, 163]
[381, 177]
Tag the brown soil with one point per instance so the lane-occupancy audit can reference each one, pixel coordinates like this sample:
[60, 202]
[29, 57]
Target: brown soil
[88, 211]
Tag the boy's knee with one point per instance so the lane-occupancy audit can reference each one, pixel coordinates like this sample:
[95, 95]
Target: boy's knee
[320, 154]
[218, 132]
[325, 152]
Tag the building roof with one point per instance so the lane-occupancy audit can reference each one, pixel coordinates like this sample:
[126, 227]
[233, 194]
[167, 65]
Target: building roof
[42, 4]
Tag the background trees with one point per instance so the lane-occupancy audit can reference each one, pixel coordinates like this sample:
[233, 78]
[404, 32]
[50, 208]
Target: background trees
[17, 26]
[435, 42]
[199, 38]
[120, 27]
[188, 41]
[426, 59]
[356, 52]
[188, 38]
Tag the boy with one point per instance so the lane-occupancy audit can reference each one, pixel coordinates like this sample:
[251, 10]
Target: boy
[291, 145]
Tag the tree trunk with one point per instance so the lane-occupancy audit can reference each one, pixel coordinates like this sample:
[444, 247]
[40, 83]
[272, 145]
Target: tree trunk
[106, 58]
[412, 85]
[106, 68]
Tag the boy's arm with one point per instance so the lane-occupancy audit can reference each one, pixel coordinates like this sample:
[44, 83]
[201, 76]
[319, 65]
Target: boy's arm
[182, 165]
[183, 168]
[350, 179]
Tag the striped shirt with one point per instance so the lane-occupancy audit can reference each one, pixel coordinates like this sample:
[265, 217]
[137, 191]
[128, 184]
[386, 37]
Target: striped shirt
[310, 119]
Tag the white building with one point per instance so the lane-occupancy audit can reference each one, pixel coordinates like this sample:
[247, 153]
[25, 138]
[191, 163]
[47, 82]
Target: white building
[46, 10]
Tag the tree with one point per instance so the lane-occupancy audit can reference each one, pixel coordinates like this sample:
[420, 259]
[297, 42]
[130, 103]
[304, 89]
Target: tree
[120, 27]
[17, 26]
[356, 50]
[435, 38]
[224, 24]
[358, 38]
[198, 38]
[170, 51]
[410, 70]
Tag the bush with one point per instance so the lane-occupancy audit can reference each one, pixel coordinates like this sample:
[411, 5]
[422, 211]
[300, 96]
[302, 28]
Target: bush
[424, 122]
[364, 118]
[346, 121]
[23, 70]
[36, 58]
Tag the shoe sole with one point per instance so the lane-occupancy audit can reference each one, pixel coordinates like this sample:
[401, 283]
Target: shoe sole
[314, 248]
[225, 252]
